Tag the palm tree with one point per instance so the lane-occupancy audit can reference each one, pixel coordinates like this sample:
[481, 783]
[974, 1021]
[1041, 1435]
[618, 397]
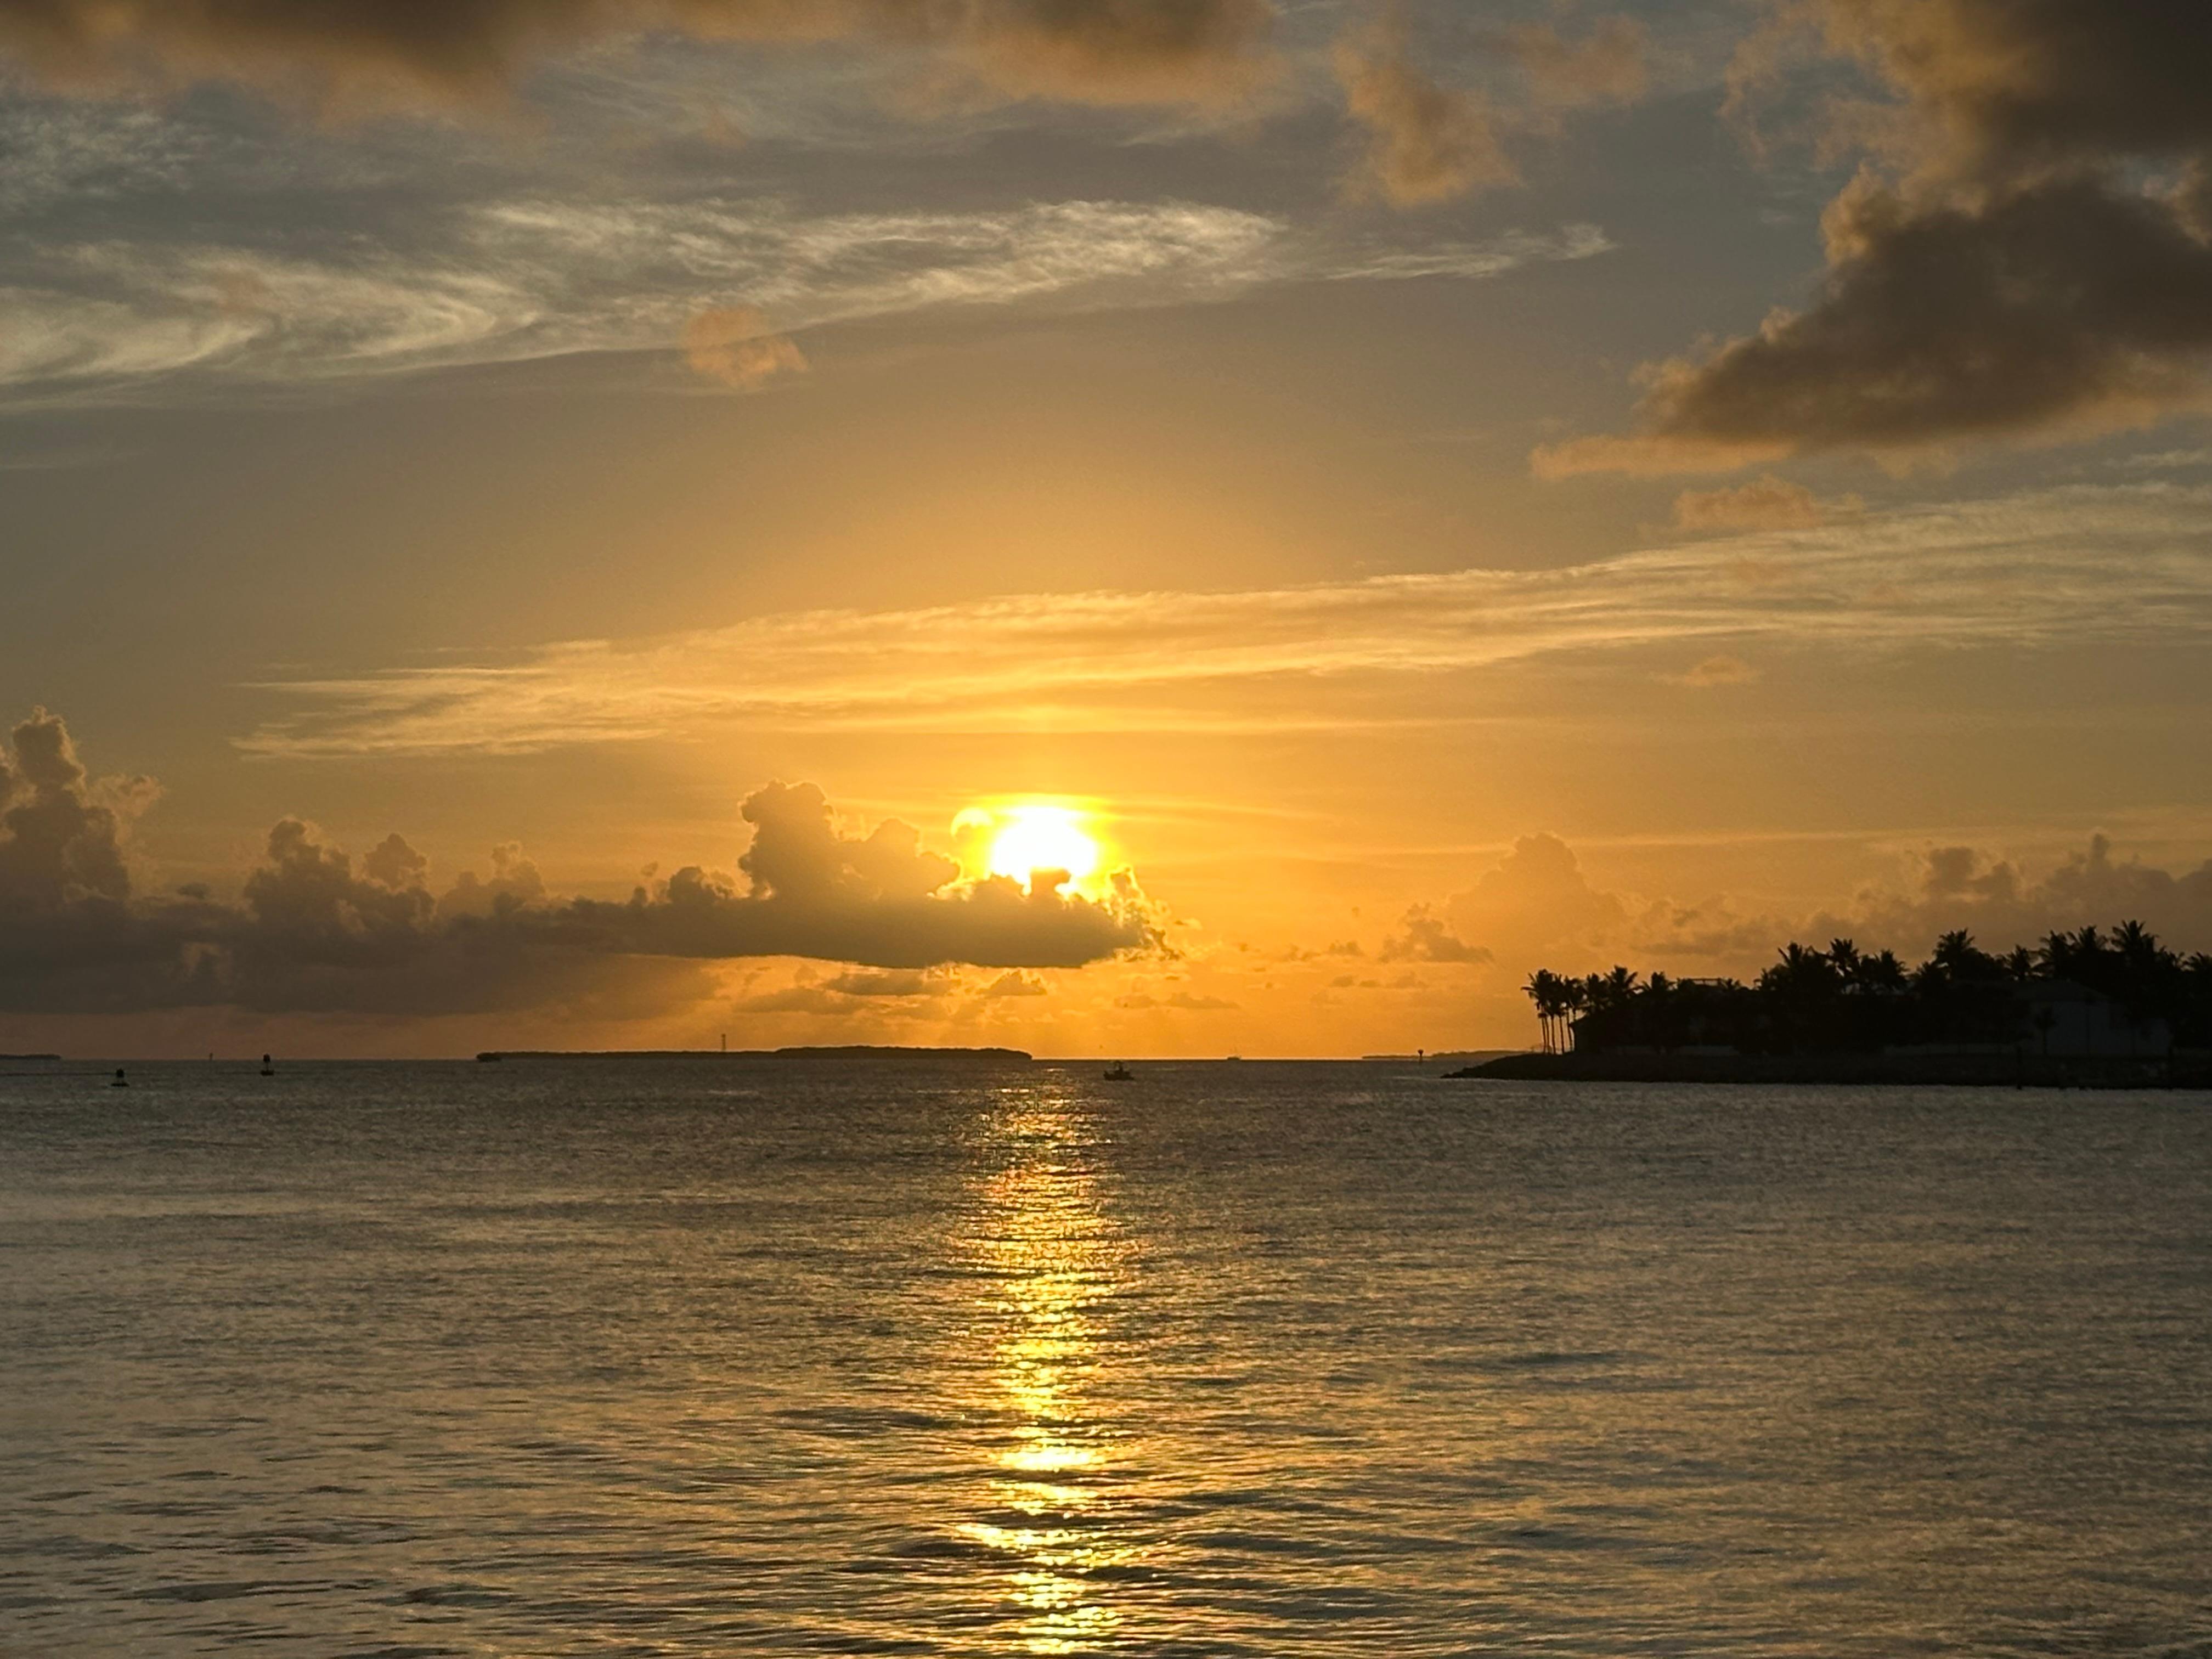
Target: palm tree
[2136, 944]
[1548, 992]
[2057, 954]
[1575, 1001]
[1882, 972]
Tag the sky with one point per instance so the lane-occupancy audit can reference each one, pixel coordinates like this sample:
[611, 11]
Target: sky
[587, 523]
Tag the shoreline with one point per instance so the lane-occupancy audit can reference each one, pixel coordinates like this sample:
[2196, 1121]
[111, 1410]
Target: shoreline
[1896, 1068]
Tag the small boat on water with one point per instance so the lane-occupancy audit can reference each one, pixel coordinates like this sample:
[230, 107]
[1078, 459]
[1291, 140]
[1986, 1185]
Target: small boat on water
[120, 1081]
[1119, 1073]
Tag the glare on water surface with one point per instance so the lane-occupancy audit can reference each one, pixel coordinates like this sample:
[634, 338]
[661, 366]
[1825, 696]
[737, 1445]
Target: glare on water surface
[1048, 1256]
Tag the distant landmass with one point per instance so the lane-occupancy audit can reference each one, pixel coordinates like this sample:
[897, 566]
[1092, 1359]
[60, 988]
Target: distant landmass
[1443, 1057]
[844, 1051]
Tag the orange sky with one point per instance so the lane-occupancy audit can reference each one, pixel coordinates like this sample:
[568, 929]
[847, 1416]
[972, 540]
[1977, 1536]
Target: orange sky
[1515, 485]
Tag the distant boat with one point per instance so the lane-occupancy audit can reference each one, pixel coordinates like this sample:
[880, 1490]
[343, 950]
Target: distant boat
[268, 1066]
[121, 1081]
[1119, 1073]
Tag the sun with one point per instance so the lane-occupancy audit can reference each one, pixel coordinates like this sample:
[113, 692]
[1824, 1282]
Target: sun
[1032, 838]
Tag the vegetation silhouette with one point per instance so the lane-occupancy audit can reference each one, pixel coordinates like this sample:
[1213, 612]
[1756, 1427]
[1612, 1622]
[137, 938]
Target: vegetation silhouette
[1842, 1000]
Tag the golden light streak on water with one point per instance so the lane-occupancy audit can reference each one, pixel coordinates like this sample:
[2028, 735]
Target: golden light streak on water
[1049, 1260]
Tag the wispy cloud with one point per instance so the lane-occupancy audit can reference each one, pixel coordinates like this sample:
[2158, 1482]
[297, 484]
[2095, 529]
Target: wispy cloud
[532, 278]
[2074, 565]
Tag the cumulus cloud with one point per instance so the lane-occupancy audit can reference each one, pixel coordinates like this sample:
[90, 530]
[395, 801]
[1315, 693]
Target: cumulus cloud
[1425, 142]
[734, 345]
[355, 54]
[59, 840]
[1424, 936]
[1428, 142]
[1767, 503]
[1541, 909]
[2025, 256]
[2003, 903]
[314, 929]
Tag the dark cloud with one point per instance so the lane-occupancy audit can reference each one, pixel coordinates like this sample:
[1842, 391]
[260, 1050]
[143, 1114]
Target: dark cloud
[314, 930]
[369, 53]
[2005, 89]
[58, 842]
[2027, 256]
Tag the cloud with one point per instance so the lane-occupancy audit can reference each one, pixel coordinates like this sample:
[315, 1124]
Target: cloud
[1767, 503]
[1541, 909]
[1139, 1001]
[733, 344]
[352, 55]
[1536, 897]
[315, 930]
[901, 982]
[58, 841]
[1425, 142]
[2024, 256]
[2003, 903]
[1607, 66]
[2012, 571]
[1015, 984]
[514, 280]
[1717, 670]
[1423, 936]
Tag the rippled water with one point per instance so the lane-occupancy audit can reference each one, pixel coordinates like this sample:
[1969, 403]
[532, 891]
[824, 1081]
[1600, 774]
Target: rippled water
[699, 1358]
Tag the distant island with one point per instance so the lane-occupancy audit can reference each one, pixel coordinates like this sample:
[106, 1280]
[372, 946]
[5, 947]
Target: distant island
[844, 1051]
[2082, 1008]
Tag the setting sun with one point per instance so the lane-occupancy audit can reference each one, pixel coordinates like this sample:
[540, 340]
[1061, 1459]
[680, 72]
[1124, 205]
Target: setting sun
[1031, 838]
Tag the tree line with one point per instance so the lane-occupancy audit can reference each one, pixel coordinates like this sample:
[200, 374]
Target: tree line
[1842, 999]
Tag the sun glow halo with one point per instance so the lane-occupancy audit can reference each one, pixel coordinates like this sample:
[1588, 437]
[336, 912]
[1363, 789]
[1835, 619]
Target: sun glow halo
[1032, 838]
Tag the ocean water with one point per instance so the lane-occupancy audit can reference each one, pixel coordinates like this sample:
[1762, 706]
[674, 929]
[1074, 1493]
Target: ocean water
[706, 1358]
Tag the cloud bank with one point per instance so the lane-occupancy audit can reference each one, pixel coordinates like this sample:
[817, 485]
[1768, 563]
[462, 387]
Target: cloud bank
[2025, 255]
[1538, 906]
[2065, 566]
[314, 930]
[348, 55]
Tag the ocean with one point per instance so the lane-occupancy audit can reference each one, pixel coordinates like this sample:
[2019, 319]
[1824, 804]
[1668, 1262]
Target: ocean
[697, 1357]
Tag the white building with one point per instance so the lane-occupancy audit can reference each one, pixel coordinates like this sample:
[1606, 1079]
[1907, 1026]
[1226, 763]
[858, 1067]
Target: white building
[2067, 1019]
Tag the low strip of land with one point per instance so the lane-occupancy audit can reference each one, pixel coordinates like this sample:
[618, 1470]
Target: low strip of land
[2183, 1070]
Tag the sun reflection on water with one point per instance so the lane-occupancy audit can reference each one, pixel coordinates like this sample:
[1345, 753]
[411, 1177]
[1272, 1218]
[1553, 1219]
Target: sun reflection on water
[1050, 1262]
